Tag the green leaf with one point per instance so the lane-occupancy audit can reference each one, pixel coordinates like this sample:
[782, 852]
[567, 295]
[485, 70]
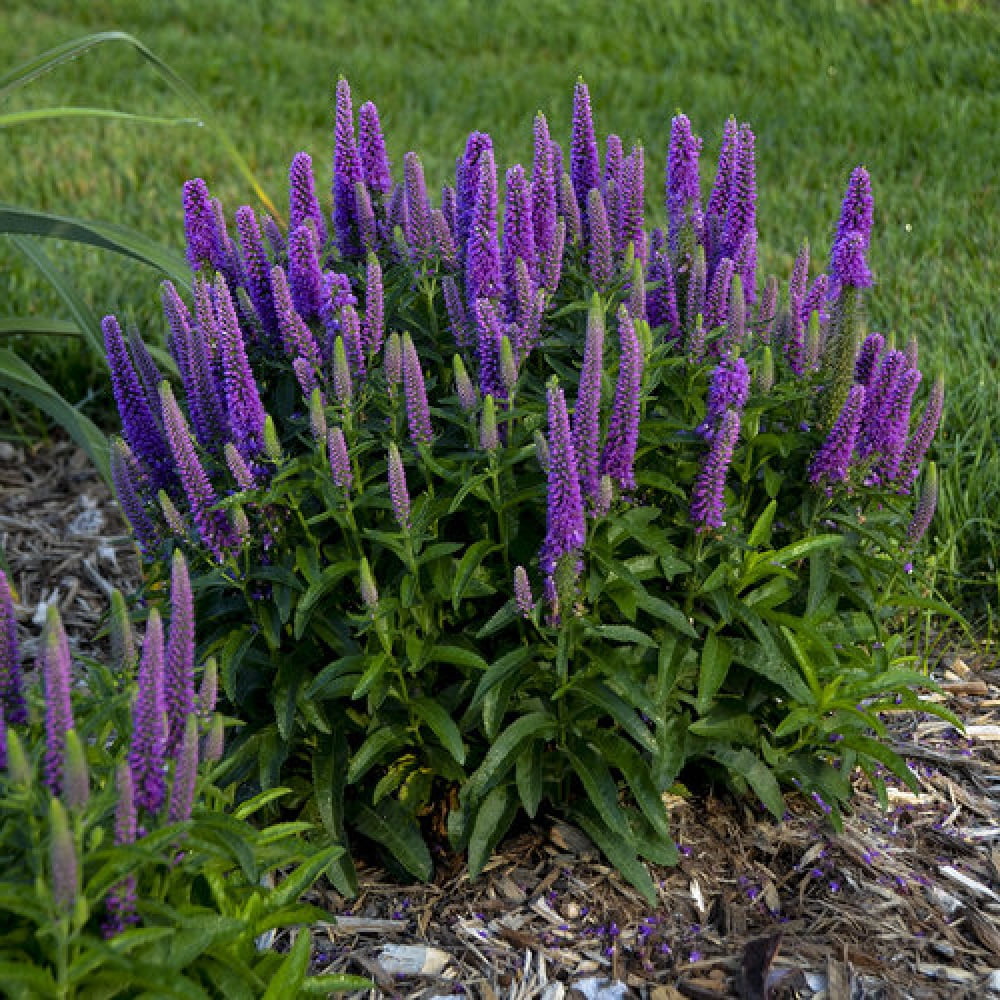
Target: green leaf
[30, 977]
[322, 986]
[716, 656]
[761, 532]
[504, 751]
[459, 656]
[528, 775]
[600, 787]
[291, 888]
[328, 579]
[620, 851]
[233, 836]
[622, 633]
[666, 612]
[757, 774]
[625, 715]
[390, 825]
[18, 377]
[467, 565]
[380, 743]
[292, 972]
[498, 671]
[441, 724]
[507, 614]
[638, 778]
[493, 819]
[328, 777]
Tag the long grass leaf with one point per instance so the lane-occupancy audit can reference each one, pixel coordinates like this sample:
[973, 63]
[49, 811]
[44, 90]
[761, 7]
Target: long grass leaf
[38, 326]
[13, 118]
[18, 377]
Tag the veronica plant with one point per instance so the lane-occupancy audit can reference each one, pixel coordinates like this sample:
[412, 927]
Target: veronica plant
[120, 873]
[578, 510]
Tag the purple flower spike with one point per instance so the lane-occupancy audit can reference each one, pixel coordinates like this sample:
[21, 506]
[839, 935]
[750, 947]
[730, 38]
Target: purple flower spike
[599, 252]
[419, 229]
[518, 231]
[367, 223]
[185, 774]
[868, 357]
[832, 462]
[444, 239]
[296, 337]
[618, 457]
[585, 166]
[741, 206]
[350, 324]
[728, 390]
[587, 413]
[178, 680]
[373, 328]
[895, 420]
[815, 299]
[544, 194]
[717, 304]
[697, 282]
[708, 501]
[417, 412]
[633, 197]
[661, 299]
[12, 702]
[458, 320]
[857, 211]
[467, 177]
[209, 690]
[127, 479]
[491, 333]
[398, 493]
[522, 592]
[139, 427]
[683, 186]
[371, 148]
[213, 525]
[565, 527]
[147, 751]
[257, 269]
[392, 360]
[882, 388]
[340, 463]
[145, 367]
[199, 223]
[551, 263]
[718, 200]
[916, 447]
[243, 403]
[847, 262]
[347, 171]
[303, 205]
[305, 279]
[55, 667]
[242, 473]
[745, 263]
[209, 418]
[768, 311]
[482, 255]
[3, 739]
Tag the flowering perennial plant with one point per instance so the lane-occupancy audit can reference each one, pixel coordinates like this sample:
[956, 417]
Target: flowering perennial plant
[412, 396]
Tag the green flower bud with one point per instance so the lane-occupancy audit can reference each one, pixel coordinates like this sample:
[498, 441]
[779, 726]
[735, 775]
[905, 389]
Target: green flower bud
[272, 446]
[317, 415]
[76, 780]
[488, 438]
[123, 654]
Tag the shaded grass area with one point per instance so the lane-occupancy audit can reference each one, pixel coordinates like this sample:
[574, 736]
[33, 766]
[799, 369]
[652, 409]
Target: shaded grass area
[910, 90]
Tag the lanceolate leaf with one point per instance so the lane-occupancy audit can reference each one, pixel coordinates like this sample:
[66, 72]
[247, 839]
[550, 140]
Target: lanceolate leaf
[396, 830]
[493, 819]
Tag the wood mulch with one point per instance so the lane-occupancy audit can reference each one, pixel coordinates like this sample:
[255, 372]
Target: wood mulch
[901, 904]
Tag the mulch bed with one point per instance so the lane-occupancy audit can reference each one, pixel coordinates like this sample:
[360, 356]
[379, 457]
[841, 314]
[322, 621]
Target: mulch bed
[903, 903]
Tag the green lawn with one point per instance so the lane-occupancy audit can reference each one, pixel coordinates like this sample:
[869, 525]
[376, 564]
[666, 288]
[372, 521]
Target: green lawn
[910, 90]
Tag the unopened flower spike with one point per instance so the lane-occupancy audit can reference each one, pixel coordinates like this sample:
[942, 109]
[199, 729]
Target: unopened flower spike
[272, 446]
[343, 387]
[464, 389]
[587, 412]
[11, 684]
[508, 365]
[185, 773]
[147, 751]
[373, 328]
[926, 505]
[418, 414]
[242, 473]
[172, 516]
[618, 456]
[340, 463]
[488, 437]
[63, 861]
[178, 671]
[56, 668]
[369, 592]
[122, 638]
[393, 361]
[398, 493]
[599, 252]
[121, 900]
[522, 592]
[76, 774]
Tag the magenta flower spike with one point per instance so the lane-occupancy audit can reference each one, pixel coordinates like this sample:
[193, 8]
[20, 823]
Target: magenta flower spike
[303, 205]
[55, 666]
[371, 149]
[417, 411]
[178, 680]
[587, 412]
[398, 493]
[683, 185]
[708, 501]
[347, 171]
[212, 525]
[618, 457]
[585, 165]
[147, 750]
[305, 278]
[832, 462]
[12, 701]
